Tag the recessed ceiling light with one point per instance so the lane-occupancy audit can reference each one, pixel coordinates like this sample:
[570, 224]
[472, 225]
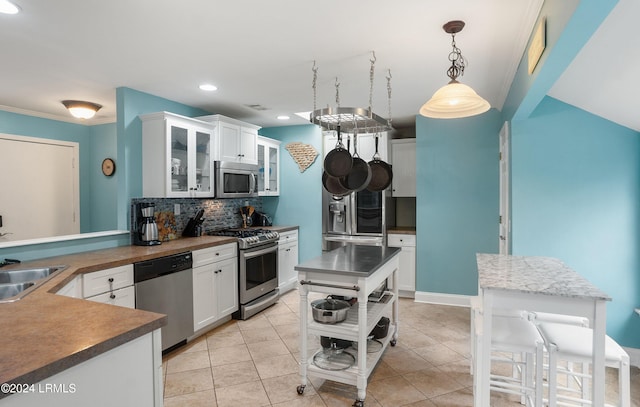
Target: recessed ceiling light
[8, 7]
[283, 117]
[208, 87]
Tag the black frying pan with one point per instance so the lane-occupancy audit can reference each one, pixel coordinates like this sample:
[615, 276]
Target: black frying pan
[381, 173]
[333, 185]
[358, 178]
[338, 162]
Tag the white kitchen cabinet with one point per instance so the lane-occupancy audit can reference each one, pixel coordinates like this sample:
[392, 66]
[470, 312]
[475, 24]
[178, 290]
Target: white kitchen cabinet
[403, 160]
[268, 166]
[407, 269]
[72, 289]
[176, 156]
[110, 286]
[235, 140]
[287, 260]
[128, 375]
[215, 284]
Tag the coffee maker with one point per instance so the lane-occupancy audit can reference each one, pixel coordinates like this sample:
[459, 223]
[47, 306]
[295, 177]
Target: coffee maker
[145, 227]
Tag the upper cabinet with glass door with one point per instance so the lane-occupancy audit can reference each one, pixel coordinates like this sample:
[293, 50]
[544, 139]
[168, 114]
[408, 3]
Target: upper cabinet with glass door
[176, 156]
[268, 167]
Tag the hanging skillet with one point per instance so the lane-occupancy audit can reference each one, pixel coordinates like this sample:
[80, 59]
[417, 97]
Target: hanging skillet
[339, 161]
[332, 184]
[358, 178]
[381, 172]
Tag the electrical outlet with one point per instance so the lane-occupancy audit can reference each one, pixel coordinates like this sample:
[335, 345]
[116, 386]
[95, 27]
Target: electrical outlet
[176, 209]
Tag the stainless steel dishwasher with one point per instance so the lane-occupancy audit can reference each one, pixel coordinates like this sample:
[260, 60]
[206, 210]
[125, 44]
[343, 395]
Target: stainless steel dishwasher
[165, 285]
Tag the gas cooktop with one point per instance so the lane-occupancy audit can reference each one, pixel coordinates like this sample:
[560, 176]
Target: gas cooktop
[248, 238]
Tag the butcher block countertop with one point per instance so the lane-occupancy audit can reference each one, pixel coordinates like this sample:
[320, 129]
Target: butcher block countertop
[43, 333]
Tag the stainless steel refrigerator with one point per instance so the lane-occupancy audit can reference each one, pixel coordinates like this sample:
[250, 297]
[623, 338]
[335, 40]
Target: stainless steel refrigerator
[358, 218]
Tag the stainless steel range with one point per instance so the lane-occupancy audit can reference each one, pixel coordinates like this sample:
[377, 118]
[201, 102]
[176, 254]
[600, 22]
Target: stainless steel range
[258, 269]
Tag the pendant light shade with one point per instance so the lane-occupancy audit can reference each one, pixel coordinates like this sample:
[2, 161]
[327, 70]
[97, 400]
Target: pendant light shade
[454, 100]
[81, 109]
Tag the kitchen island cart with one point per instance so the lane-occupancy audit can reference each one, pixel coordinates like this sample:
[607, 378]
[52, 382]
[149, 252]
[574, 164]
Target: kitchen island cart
[349, 271]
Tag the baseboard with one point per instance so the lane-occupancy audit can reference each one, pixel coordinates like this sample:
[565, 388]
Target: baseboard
[464, 301]
[443, 299]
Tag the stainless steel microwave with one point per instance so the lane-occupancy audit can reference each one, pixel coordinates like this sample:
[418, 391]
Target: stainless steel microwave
[235, 180]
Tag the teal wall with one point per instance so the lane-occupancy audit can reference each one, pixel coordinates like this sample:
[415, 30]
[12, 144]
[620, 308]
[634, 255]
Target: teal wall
[456, 200]
[102, 210]
[575, 194]
[130, 104]
[300, 200]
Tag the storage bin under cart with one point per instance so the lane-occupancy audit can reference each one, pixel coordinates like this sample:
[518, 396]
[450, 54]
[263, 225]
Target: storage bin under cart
[350, 271]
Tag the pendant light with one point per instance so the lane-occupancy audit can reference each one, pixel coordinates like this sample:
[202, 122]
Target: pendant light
[454, 100]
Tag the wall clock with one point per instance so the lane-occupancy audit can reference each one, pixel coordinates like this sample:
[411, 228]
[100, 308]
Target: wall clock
[108, 167]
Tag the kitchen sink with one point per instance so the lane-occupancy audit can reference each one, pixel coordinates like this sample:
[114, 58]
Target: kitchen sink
[15, 284]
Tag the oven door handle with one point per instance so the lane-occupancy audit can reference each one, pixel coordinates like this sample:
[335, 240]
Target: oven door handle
[252, 185]
[248, 254]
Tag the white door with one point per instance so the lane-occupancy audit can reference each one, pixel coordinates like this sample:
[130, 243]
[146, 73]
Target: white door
[505, 221]
[39, 193]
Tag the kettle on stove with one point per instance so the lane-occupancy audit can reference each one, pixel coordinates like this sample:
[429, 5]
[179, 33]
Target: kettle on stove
[261, 219]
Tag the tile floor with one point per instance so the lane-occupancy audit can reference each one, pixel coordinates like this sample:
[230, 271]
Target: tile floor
[254, 363]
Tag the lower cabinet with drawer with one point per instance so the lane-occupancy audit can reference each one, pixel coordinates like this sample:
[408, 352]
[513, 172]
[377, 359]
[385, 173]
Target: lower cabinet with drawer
[215, 284]
[407, 275]
[110, 286]
[287, 260]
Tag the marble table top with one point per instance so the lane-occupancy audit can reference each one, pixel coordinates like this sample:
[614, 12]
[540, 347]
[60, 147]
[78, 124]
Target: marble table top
[532, 274]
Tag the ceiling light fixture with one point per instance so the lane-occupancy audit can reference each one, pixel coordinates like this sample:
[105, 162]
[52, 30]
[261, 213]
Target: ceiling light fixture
[283, 117]
[454, 100]
[80, 109]
[208, 87]
[7, 7]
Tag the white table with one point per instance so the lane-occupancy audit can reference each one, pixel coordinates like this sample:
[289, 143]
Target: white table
[540, 284]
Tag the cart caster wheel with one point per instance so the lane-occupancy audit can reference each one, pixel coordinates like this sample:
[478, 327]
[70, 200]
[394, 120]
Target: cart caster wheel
[300, 389]
[358, 403]
[393, 342]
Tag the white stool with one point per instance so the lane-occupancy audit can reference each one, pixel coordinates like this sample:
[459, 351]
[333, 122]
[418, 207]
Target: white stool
[512, 333]
[575, 344]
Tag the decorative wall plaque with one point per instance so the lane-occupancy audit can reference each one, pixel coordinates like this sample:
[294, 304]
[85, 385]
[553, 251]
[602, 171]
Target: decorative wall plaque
[303, 154]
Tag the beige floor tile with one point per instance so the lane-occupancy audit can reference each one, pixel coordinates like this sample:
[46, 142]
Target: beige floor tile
[205, 398]
[394, 391]
[258, 321]
[283, 319]
[260, 335]
[188, 361]
[276, 366]
[267, 349]
[382, 371]
[459, 371]
[412, 338]
[278, 308]
[229, 354]
[229, 326]
[224, 339]
[188, 382]
[283, 388]
[235, 373]
[459, 398]
[199, 344]
[336, 394]
[421, 403]
[251, 394]
[404, 361]
[289, 330]
[438, 354]
[312, 401]
[433, 382]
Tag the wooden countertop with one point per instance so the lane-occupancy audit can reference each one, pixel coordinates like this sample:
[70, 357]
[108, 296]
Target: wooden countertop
[44, 333]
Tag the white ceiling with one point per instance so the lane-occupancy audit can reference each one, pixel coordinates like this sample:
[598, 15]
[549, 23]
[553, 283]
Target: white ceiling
[257, 52]
[601, 78]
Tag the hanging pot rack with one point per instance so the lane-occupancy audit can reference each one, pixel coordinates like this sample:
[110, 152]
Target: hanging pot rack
[351, 119]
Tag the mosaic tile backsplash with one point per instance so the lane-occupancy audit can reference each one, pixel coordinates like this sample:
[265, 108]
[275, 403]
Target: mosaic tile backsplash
[218, 213]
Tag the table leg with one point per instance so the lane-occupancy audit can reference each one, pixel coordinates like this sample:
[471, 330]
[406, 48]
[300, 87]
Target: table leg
[599, 333]
[362, 345]
[481, 392]
[304, 303]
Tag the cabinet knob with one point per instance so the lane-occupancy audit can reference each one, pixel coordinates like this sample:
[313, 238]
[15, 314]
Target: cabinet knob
[217, 254]
[112, 296]
[110, 279]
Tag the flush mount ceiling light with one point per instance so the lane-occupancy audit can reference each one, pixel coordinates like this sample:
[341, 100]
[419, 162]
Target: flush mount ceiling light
[283, 117]
[81, 109]
[7, 7]
[455, 99]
